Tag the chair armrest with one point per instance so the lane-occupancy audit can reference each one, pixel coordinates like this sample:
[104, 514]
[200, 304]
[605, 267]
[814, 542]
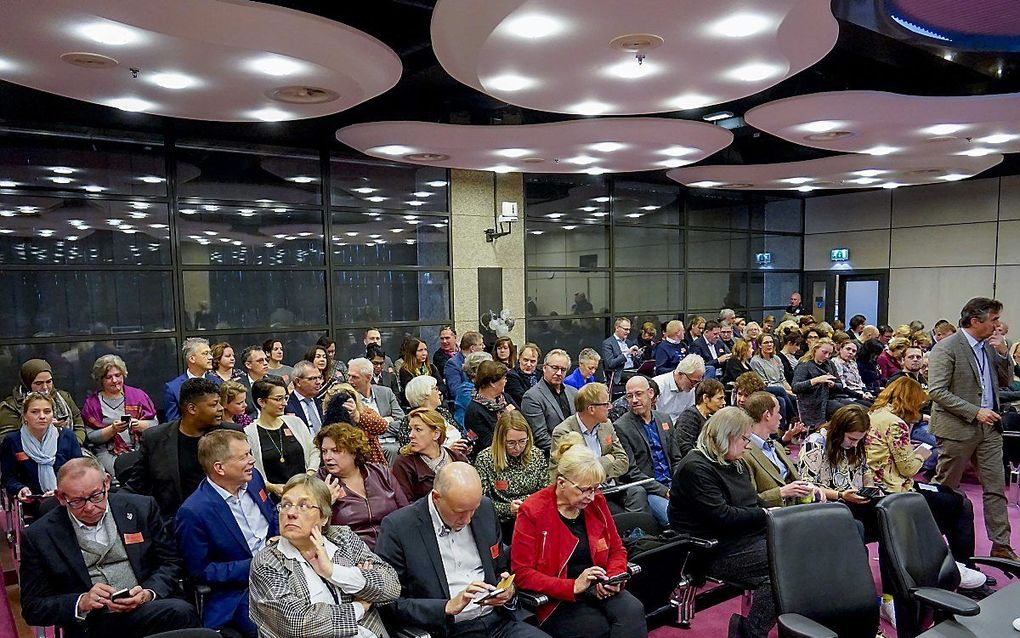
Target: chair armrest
[799, 626]
[531, 600]
[411, 632]
[947, 601]
[633, 569]
[1009, 567]
[700, 543]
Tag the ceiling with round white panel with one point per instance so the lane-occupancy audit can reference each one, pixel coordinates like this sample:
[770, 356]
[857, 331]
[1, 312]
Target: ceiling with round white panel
[605, 57]
[837, 172]
[880, 123]
[591, 146]
[219, 60]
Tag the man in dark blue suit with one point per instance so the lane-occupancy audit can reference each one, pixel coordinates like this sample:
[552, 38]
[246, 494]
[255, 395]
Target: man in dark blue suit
[304, 402]
[199, 362]
[620, 353]
[221, 526]
[711, 348]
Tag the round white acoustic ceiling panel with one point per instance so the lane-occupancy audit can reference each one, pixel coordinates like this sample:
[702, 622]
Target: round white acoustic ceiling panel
[606, 57]
[591, 146]
[219, 60]
[880, 123]
[837, 172]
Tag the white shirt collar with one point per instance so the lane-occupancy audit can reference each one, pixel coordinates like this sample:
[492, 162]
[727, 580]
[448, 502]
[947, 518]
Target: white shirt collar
[440, 528]
[293, 553]
[85, 527]
[970, 339]
[224, 494]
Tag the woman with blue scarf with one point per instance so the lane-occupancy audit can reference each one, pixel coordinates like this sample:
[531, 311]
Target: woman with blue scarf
[31, 456]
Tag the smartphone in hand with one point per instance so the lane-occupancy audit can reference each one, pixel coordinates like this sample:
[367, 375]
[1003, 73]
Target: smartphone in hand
[121, 594]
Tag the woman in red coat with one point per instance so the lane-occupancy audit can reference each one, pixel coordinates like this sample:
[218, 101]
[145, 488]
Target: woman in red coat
[566, 545]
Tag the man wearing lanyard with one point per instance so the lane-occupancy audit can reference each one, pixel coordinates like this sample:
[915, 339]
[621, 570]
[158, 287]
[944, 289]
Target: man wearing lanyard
[963, 379]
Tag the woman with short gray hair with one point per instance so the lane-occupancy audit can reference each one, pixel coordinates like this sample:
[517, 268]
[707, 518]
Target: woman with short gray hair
[116, 414]
[423, 392]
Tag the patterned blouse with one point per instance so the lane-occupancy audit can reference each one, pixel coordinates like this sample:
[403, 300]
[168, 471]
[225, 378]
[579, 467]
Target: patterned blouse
[890, 452]
[815, 467]
[849, 374]
[520, 479]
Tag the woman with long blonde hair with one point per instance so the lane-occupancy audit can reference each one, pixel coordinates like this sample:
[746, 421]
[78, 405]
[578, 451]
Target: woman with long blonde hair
[512, 468]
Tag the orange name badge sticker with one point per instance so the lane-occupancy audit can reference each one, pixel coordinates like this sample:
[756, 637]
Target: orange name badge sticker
[20, 456]
[609, 440]
[341, 493]
[287, 432]
[133, 539]
[665, 427]
[494, 551]
[263, 496]
[601, 545]
[502, 486]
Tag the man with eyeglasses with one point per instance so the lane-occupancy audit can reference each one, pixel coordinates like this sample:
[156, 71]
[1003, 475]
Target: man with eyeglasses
[256, 367]
[550, 401]
[101, 564]
[677, 387]
[304, 401]
[222, 525]
[646, 436]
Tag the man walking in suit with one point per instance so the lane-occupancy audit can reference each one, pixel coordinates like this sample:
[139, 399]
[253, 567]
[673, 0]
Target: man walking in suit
[620, 354]
[304, 402]
[550, 401]
[963, 380]
[221, 526]
[199, 362]
[645, 436]
[167, 467]
[78, 557]
[772, 473]
[446, 549]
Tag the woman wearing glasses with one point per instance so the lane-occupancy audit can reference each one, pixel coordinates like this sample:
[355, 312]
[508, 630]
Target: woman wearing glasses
[566, 546]
[31, 457]
[280, 443]
[317, 580]
[712, 497]
[512, 469]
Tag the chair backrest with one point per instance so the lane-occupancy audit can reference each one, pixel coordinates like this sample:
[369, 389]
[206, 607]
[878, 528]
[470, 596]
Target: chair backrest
[626, 521]
[124, 464]
[915, 552]
[819, 568]
[197, 632]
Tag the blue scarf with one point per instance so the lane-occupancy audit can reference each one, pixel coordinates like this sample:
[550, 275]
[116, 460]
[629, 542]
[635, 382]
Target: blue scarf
[44, 454]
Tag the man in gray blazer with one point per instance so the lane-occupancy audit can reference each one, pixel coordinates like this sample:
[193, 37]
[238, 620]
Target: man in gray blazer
[550, 401]
[645, 434]
[963, 381]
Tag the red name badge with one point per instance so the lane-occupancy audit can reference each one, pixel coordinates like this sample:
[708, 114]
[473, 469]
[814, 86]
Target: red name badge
[287, 432]
[133, 539]
[262, 495]
[20, 456]
[494, 551]
[502, 486]
[600, 545]
[665, 427]
[341, 493]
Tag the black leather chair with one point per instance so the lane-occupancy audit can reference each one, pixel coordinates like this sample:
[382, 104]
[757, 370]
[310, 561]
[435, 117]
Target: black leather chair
[821, 578]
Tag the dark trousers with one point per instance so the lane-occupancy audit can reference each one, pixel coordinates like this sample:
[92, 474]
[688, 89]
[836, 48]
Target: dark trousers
[495, 625]
[746, 563]
[619, 616]
[153, 617]
[954, 514]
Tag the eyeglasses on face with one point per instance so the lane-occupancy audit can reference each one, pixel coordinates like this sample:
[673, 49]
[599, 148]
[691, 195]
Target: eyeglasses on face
[559, 369]
[317, 377]
[517, 443]
[281, 398]
[585, 491]
[303, 508]
[95, 498]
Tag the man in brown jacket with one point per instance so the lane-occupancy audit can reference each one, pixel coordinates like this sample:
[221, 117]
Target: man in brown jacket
[772, 472]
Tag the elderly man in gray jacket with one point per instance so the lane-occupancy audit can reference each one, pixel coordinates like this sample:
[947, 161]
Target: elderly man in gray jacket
[549, 401]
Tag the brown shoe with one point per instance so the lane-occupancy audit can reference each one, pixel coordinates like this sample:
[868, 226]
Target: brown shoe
[1004, 551]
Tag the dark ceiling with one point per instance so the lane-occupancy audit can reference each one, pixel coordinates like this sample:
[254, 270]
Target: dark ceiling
[873, 52]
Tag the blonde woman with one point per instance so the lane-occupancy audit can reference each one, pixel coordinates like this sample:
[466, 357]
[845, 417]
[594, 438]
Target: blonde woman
[891, 360]
[818, 387]
[422, 458]
[512, 468]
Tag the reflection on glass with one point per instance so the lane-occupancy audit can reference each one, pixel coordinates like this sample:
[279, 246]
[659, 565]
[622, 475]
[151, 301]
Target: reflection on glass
[256, 179]
[649, 291]
[368, 297]
[49, 231]
[708, 249]
[294, 343]
[642, 203]
[249, 235]
[567, 199]
[254, 299]
[777, 252]
[778, 215]
[773, 288]
[715, 290]
[643, 247]
[569, 334]
[722, 210]
[552, 293]
[350, 343]
[412, 189]
[88, 166]
[555, 245]
[41, 303]
[374, 239]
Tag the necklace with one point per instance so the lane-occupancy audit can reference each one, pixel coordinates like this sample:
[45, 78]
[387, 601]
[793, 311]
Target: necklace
[278, 448]
[114, 407]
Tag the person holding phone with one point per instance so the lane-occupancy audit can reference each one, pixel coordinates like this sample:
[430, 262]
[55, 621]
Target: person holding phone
[31, 457]
[817, 385]
[116, 414]
[566, 546]
[512, 468]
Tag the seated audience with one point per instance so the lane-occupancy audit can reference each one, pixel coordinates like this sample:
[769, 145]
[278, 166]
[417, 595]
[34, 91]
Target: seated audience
[712, 497]
[379, 398]
[280, 443]
[773, 474]
[587, 363]
[274, 351]
[769, 365]
[746, 385]
[447, 349]
[677, 387]
[99, 555]
[849, 375]
[709, 348]
[768, 324]
[549, 402]
[199, 362]
[566, 546]
[789, 353]
[672, 348]
[423, 392]
[885, 334]
[811, 337]
[335, 370]
[819, 391]
[363, 493]
[739, 363]
[488, 402]
[505, 352]
[647, 341]
[751, 333]
[380, 375]
[425, 455]
[646, 438]
[621, 354]
[453, 371]
[116, 414]
[304, 402]
[37, 376]
[223, 361]
[726, 334]
[524, 376]
[695, 328]
[167, 467]
[440, 577]
[709, 398]
[31, 457]
[225, 522]
[942, 330]
[890, 361]
[415, 356]
[462, 395]
[316, 579]
[234, 399]
[256, 368]
[342, 404]
[867, 364]
[318, 356]
[512, 468]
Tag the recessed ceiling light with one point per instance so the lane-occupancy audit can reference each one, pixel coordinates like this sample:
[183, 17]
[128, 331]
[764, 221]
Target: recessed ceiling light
[61, 180]
[436, 183]
[595, 171]
[364, 189]
[536, 232]
[821, 126]
[607, 147]
[797, 180]
[246, 212]
[717, 116]
[881, 150]
[188, 211]
[426, 157]
[108, 33]
[131, 104]
[977, 152]
[891, 185]
[705, 183]
[869, 172]
[376, 199]
[396, 230]
[998, 138]
[677, 151]
[569, 227]
[151, 179]
[141, 205]
[415, 203]
[275, 65]
[600, 214]
[864, 181]
[422, 194]
[582, 160]
[61, 170]
[8, 184]
[954, 177]
[301, 179]
[689, 101]
[533, 26]
[513, 152]
[943, 129]
[554, 215]
[509, 82]
[650, 207]
[634, 215]
[211, 207]
[270, 115]
[502, 169]
[740, 25]
[158, 226]
[673, 163]
[392, 149]
[590, 107]
[279, 210]
[374, 236]
[632, 70]
[754, 72]
[115, 222]
[173, 80]
[588, 209]
[805, 188]
[138, 215]
[92, 188]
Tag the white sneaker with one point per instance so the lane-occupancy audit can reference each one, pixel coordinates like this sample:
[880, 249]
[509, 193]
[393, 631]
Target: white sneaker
[887, 612]
[970, 578]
